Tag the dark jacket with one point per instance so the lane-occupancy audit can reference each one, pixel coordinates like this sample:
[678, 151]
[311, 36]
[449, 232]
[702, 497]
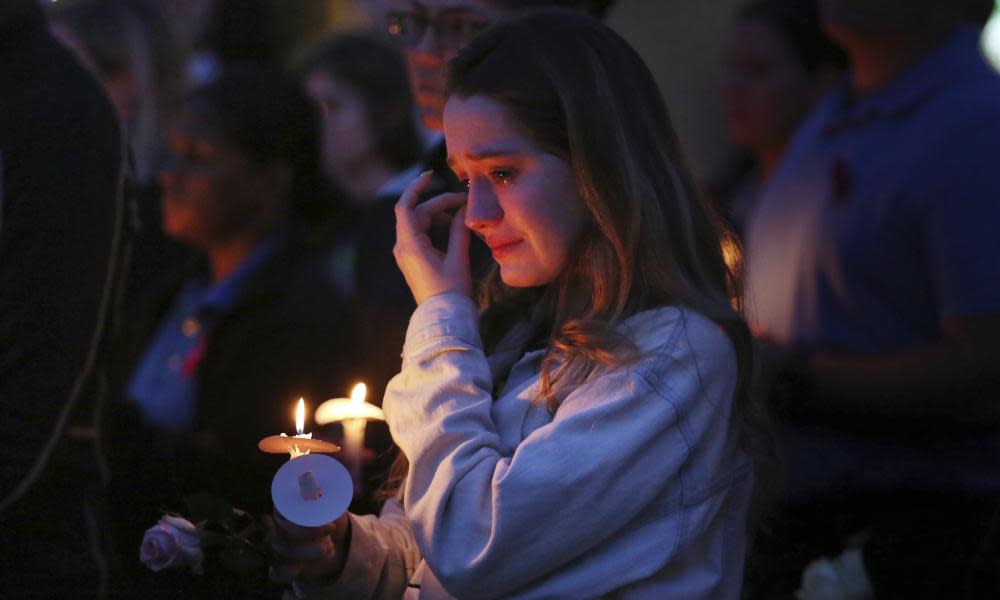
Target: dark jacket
[63, 223]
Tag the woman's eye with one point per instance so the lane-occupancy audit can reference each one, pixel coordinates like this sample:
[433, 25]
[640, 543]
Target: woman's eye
[504, 175]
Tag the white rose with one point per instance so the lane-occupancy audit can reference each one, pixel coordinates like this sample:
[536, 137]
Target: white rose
[172, 543]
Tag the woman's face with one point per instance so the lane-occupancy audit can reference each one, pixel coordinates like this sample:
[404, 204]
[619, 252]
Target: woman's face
[523, 202]
[212, 193]
[766, 91]
[347, 140]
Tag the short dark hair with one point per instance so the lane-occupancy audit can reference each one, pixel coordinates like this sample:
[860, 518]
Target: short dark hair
[267, 114]
[374, 67]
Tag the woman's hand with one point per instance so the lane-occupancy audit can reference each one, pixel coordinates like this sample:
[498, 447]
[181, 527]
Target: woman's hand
[305, 553]
[427, 270]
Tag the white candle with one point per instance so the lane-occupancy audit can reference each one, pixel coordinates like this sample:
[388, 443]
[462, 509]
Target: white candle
[353, 414]
[354, 445]
[299, 444]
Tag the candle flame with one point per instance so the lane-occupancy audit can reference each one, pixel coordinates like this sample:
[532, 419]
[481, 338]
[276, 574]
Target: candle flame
[358, 393]
[300, 416]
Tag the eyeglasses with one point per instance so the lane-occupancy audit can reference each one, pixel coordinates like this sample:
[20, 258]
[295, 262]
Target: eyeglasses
[452, 30]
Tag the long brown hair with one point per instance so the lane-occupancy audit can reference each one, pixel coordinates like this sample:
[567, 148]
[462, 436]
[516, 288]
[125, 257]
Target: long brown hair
[583, 94]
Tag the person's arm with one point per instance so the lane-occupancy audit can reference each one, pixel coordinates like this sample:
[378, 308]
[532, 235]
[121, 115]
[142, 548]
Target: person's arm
[599, 498]
[953, 385]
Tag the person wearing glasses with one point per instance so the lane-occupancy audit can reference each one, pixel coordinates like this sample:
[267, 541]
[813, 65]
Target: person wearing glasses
[580, 432]
[430, 33]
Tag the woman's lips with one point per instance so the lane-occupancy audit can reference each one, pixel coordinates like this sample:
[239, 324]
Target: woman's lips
[501, 249]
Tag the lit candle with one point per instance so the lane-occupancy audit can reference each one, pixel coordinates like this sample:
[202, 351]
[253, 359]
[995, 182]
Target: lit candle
[312, 489]
[300, 425]
[353, 414]
[298, 445]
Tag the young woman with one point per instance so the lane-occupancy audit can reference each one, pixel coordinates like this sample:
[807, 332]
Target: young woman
[577, 434]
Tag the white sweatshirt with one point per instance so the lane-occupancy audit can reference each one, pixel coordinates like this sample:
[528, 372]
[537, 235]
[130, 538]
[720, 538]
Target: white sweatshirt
[636, 488]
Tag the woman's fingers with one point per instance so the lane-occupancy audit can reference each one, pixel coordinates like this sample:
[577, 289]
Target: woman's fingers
[411, 194]
[427, 211]
[427, 270]
[458, 243]
[305, 551]
[404, 206]
[415, 223]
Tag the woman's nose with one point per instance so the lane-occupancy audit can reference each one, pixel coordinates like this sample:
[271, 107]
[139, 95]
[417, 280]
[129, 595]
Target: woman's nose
[483, 207]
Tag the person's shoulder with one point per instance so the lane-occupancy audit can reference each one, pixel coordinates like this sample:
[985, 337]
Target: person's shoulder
[666, 334]
[971, 97]
[962, 129]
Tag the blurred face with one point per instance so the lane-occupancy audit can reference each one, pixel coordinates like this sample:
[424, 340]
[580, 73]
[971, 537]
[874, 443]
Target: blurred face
[766, 91]
[432, 32]
[212, 193]
[347, 140]
[524, 203]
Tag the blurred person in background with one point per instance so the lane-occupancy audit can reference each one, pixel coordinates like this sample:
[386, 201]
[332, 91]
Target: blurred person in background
[129, 47]
[64, 226]
[369, 130]
[370, 137]
[874, 280]
[221, 351]
[778, 63]
[371, 143]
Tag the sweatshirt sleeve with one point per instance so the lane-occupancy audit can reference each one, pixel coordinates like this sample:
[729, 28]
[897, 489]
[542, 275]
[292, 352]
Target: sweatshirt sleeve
[609, 471]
